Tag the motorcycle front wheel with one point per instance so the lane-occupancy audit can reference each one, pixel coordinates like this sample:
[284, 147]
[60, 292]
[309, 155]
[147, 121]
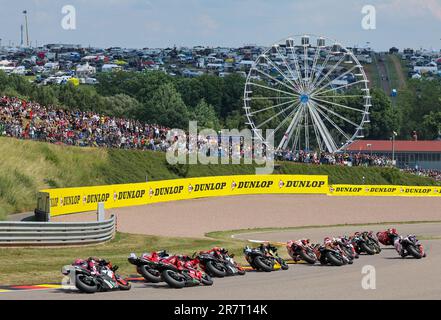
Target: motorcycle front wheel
[364, 247]
[85, 284]
[414, 252]
[264, 264]
[173, 279]
[216, 269]
[149, 274]
[308, 256]
[333, 260]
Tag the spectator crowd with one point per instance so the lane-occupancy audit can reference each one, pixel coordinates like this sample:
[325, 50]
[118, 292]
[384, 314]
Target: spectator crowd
[431, 173]
[346, 159]
[29, 120]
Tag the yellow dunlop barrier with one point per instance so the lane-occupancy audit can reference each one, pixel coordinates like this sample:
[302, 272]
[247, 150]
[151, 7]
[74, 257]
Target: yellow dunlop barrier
[382, 190]
[74, 200]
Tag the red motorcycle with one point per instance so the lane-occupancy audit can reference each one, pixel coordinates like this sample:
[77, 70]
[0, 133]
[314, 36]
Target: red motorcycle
[388, 237]
[217, 262]
[301, 250]
[145, 265]
[181, 271]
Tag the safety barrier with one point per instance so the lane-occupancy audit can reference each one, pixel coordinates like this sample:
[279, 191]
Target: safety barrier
[383, 190]
[55, 233]
[74, 200]
[55, 202]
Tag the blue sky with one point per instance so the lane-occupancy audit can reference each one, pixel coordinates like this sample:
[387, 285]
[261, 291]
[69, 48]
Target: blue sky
[162, 23]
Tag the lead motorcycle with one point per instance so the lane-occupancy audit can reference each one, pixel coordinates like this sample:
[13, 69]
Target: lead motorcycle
[101, 277]
[409, 245]
[301, 250]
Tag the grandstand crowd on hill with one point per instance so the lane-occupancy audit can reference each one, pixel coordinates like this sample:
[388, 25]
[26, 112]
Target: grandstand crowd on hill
[434, 174]
[359, 159]
[29, 120]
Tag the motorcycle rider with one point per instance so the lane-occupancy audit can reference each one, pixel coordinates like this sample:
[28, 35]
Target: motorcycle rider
[388, 237]
[267, 248]
[93, 264]
[330, 242]
[299, 243]
[96, 265]
[399, 246]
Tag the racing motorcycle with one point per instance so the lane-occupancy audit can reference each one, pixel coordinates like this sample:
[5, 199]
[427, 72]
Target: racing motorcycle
[332, 255]
[409, 245]
[264, 258]
[181, 271]
[388, 237]
[373, 241]
[301, 250]
[145, 265]
[258, 260]
[218, 263]
[345, 245]
[271, 251]
[363, 244]
[103, 278]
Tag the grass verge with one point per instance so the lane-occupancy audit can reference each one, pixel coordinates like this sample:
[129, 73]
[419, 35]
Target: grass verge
[26, 266]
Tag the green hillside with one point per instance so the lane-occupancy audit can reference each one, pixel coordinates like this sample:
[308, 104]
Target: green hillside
[28, 166]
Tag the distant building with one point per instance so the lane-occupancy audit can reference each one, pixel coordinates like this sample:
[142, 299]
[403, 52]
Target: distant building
[408, 154]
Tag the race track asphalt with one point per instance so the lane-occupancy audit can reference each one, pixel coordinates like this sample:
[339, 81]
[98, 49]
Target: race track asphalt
[396, 278]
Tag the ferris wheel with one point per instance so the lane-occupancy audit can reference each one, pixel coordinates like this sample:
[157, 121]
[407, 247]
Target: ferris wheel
[312, 91]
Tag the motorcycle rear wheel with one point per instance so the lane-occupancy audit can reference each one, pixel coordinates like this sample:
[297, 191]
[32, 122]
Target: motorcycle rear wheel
[149, 274]
[261, 265]
[173, 279]
[83, 286]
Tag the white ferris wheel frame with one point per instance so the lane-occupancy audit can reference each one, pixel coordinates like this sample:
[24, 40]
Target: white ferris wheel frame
[304, 94]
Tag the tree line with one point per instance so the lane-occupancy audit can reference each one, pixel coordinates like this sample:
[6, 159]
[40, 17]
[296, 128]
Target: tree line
[215, 102]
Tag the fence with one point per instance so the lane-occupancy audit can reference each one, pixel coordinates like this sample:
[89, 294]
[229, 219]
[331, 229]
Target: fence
[55, 233]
